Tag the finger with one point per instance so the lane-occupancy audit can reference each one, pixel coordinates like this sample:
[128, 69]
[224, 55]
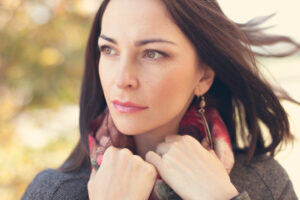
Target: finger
[93, 173]
[109, 153]
[226, 165]
[163, 148]
[213, 153]
[228, 170]
[224, 153]
[154, 159]
[205, 143]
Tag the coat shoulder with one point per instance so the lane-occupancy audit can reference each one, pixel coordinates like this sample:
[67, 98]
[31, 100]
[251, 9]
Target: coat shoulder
[262, 178]
[54, 184]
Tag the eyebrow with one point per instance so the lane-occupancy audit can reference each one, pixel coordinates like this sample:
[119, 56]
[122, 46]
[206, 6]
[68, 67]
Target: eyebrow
[140, 42]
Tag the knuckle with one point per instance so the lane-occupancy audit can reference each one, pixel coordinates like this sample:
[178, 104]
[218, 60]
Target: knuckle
[136, 163]
[186, 137]
[110, 152]
[125, 152]
[150, 170]
[136, 159]
[166, 158]
[190, 139]
[175, 145]
[111, 149]
[158, 147]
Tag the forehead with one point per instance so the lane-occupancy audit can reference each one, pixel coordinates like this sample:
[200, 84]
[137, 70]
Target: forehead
[138, 19]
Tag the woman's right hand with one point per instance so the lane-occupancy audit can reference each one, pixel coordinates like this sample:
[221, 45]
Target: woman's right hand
[122, 175]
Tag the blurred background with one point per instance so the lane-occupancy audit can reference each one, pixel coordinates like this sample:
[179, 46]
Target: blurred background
[42, 46]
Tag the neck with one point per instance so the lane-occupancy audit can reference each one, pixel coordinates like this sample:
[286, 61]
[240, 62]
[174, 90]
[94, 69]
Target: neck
[148, 141]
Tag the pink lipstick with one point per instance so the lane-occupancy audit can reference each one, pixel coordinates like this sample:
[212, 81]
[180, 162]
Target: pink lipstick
[127, 107]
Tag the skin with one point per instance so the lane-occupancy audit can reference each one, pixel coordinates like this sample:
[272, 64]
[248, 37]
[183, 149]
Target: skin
[128, 73]
[164, 76]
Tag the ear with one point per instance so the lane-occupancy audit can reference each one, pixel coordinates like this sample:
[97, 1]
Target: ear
[206, 79]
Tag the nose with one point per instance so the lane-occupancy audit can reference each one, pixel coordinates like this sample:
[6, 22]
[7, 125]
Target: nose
[127, 76]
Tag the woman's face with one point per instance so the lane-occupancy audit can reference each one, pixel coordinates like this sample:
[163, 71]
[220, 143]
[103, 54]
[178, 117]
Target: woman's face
[148, 61]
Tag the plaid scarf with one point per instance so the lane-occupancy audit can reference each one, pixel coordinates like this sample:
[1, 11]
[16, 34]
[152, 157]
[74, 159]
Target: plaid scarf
[104, 133]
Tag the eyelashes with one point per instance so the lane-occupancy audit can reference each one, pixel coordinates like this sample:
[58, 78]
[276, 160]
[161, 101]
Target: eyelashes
[155, 54]
[151, 54]
[106, 50]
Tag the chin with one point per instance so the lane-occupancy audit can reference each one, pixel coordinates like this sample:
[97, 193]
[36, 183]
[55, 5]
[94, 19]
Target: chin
[130, 128]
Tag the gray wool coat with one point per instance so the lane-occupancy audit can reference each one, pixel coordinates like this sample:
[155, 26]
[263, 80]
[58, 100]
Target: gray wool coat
[262, 179]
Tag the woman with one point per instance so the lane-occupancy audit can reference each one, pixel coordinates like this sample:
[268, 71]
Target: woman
[167, 84]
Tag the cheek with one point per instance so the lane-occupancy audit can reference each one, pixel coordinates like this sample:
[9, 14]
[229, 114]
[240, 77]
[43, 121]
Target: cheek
[165, 87]
[172, 88]
[106, 77]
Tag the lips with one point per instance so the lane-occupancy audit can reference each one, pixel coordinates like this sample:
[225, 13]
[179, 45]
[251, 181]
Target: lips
[127, 107]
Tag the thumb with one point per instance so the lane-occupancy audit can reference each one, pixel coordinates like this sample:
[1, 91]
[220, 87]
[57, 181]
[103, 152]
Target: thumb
[154, 159]
[224, 153]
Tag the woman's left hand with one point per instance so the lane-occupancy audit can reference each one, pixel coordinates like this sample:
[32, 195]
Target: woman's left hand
[192, 171]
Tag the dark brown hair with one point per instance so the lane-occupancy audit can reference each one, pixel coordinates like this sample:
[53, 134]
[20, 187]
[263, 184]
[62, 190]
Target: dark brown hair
[242, 96]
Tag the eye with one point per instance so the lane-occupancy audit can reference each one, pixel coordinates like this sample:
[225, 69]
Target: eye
[107, 50]
[154, 54]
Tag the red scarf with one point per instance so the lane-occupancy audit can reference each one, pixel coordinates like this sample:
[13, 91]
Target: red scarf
[104, 133]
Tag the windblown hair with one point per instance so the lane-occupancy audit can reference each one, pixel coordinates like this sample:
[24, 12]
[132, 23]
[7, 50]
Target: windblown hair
[240, 93]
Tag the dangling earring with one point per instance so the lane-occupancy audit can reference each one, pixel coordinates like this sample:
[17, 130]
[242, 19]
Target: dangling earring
[201, 110]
